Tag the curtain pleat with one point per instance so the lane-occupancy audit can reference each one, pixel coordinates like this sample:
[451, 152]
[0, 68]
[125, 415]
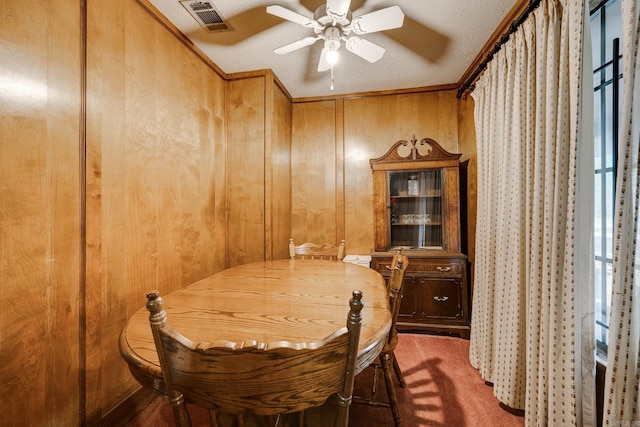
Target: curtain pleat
[525, 337]
[621, 407]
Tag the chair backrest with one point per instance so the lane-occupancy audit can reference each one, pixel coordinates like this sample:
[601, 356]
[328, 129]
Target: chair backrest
[394, 262]
[396, 257]
[396, 289]
[317, 251]
[253, 377]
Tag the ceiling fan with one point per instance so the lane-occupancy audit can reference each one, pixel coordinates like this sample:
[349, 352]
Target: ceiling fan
[334, 24]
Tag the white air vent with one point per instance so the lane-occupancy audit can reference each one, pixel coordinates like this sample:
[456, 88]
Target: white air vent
[206, 14]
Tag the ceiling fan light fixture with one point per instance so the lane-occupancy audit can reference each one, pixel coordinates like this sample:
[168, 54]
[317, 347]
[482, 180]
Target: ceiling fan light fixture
[332, 37]
[332, 57]
[332, 44]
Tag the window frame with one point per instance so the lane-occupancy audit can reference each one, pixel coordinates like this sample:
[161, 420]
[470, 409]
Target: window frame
[605, 172]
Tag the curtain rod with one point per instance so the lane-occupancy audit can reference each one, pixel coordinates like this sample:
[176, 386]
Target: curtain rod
[467, 85]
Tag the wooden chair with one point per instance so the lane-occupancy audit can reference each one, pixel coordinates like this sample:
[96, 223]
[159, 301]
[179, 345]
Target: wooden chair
[253, 378]
[394, 261]
[317, 251]
[387, 358]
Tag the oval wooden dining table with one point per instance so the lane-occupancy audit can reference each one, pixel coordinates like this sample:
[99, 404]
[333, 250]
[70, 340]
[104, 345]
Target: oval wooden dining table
[291, 300]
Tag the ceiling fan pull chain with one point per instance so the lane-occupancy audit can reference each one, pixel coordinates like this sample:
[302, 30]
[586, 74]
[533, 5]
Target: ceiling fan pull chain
[332, 77]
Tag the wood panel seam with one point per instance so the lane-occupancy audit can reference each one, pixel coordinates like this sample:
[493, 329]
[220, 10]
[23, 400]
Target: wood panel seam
[82, 285]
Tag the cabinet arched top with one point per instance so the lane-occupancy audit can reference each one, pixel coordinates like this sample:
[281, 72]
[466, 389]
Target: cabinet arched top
[428, 149]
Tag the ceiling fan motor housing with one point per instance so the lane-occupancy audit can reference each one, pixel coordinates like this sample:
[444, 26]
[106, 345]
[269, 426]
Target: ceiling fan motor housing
[323, 18]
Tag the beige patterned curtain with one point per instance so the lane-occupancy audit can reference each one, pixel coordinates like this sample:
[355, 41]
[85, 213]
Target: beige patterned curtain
[532, 325]
[621, 406]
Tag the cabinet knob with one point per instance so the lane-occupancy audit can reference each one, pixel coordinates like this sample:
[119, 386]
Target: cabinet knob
[443, 269]
[440, 299]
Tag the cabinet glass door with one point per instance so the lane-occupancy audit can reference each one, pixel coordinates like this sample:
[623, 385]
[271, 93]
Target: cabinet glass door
[415, 204]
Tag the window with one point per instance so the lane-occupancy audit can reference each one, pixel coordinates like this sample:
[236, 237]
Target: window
[606, 28]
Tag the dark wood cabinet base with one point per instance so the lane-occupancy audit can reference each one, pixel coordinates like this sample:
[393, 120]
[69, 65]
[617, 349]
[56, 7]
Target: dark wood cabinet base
[461, 331]
[436, 294]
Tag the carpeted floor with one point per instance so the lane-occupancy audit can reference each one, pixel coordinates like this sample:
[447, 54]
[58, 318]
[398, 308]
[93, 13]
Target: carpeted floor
[443, 390]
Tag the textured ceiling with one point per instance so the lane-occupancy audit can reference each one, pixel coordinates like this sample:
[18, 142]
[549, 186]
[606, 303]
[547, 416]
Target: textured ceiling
[435, 46]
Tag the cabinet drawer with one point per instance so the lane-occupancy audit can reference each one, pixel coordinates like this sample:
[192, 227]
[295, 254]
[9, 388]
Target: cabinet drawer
[417, 265]
[383, 266]
[444, 267]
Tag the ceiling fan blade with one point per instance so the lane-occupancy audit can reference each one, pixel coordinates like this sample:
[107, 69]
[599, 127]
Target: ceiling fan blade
[290, 15]
[364, 48]
[307, 41]
[338, 8]
[323, 64]
[380, 20]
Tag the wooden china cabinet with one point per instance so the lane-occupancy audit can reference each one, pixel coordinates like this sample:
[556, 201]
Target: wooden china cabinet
[416, 190]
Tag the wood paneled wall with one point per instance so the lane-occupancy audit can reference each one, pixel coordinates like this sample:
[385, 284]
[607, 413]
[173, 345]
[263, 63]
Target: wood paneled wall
[332, 143]
[141, 167]
[259, 172]
[246, 151]
[40, 51]
[278, 174]
[314, 168]
[156, 179]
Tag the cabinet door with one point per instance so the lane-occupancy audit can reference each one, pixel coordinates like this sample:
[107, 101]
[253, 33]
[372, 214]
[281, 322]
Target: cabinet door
[410, 304]
[415, 209]
[441, 299]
